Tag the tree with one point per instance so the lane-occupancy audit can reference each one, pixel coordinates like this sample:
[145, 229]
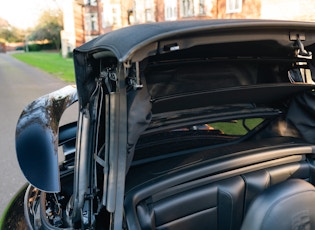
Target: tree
[11, 34]
[49, 26]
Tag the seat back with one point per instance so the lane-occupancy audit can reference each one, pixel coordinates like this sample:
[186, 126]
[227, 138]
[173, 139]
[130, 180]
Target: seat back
[287, 205]
[217, 202]
[215, 205]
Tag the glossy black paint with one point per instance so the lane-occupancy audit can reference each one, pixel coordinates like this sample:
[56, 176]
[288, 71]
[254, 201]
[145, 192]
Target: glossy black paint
[37, 130]
[37, 138]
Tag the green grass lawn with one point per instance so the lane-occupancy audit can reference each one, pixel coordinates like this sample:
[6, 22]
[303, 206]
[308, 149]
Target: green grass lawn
[236, 127]
[52, 63]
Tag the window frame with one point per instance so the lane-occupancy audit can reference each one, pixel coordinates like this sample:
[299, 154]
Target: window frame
[234, 6]
[187, 8]
[170, 10]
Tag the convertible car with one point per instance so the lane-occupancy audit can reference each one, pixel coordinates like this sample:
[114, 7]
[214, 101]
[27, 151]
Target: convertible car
[180, 125]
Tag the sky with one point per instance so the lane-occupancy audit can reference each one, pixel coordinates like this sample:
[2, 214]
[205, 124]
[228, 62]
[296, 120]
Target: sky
[24, 13]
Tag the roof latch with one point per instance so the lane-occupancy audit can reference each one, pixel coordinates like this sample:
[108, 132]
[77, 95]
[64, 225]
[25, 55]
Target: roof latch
[133, 78]
[300, 51]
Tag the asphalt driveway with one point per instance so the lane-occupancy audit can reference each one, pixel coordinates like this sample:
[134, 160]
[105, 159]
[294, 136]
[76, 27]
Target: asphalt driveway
[20, 84]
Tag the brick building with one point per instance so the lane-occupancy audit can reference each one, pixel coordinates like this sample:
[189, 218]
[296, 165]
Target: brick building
[86, 19]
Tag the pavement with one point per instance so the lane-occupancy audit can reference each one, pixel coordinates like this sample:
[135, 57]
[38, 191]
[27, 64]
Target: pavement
[20, 84]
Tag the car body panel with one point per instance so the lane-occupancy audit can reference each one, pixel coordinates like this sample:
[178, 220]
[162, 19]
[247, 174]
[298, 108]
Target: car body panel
[143, 91]
[37, 138]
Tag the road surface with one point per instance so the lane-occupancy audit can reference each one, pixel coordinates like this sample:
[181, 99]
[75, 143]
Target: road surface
[20, 84]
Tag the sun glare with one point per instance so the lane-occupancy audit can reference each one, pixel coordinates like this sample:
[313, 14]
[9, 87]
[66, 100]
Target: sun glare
[24, 14]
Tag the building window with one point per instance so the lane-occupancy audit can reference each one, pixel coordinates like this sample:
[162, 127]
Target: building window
[91, 23]
[233, 6]
[148, 15]
[94, 24]
[170, 10]
[116, 15]
[111, 15]
[91, 2]
[187, 8]
[202, 7]
[148, 12]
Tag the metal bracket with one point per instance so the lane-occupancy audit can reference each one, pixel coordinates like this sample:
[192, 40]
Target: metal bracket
[133, 78]
[110, 77]
[300, 51]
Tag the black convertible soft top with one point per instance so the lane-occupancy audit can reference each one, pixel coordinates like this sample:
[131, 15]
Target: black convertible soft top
[135, 43]
[144, 39]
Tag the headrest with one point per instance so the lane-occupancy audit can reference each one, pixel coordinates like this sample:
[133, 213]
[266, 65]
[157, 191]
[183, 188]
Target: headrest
[288, 205]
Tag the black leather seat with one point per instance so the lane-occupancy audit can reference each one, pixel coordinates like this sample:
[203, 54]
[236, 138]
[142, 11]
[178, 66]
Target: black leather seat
[213, 206]
[221, 204]
[287, 205]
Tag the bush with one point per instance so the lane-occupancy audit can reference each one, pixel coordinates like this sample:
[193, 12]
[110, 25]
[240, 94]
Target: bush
[40, 47]
[33, 47]
[48, 46]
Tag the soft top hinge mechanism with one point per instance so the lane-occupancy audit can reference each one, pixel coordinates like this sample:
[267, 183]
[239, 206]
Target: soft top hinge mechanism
[300, 51]
[133, 75]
